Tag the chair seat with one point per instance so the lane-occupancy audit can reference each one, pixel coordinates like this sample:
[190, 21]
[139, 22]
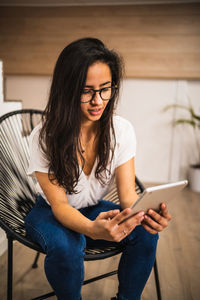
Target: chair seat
[98, 253]
[19, 234]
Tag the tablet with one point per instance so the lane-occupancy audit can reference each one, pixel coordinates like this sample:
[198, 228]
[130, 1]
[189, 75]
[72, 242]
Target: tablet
[152, 197]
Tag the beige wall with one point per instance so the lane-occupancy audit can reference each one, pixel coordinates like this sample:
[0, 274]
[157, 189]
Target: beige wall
[156, 41]
[163, 152]
[160, 41]
[9, 105]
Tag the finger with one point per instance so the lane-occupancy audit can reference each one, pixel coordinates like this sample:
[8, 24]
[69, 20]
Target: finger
[158, 218]
[119, 232]
[113, 213]
[136, 219]
[148, 228]
[128, 228]
[123, 234]
[165, 212]
[129, 224]
[153, 224]
[123, 214]
[117, 235]
[108, 214]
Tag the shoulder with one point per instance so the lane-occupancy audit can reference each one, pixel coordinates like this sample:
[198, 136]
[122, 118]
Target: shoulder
[36, 131]
[121, 125]
[125, 140]
[34, 136]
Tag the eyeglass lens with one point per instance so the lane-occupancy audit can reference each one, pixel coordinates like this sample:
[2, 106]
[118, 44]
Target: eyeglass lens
[105, 94]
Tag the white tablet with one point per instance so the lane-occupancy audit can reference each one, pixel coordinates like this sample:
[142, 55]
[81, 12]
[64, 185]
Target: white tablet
[152, 197]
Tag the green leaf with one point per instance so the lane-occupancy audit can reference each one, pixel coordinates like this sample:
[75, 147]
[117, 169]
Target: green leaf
[183, 121]
[175, 106]
[189, 109]
[195, 116]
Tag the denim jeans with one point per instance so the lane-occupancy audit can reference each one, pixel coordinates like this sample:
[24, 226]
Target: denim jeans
[64, 248]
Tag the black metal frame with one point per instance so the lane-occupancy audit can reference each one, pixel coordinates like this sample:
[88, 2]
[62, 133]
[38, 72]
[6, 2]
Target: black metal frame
[12, 235]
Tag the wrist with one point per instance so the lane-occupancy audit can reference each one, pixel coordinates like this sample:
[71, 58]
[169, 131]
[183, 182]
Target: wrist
[90, 230]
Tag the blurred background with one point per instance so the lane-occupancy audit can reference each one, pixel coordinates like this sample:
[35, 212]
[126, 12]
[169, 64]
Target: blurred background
[160, 43]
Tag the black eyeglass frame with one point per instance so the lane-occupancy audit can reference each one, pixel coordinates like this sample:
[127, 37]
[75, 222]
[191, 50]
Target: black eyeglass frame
[114, 87]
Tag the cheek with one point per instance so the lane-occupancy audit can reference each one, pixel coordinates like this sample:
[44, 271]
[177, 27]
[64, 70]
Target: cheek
[83, 107]
[105, 104]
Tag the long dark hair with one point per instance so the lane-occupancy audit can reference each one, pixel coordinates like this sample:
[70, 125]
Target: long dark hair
[59, 136]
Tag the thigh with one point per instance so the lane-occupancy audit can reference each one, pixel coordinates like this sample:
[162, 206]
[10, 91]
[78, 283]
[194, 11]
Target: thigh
[92, 212]
[44, 229]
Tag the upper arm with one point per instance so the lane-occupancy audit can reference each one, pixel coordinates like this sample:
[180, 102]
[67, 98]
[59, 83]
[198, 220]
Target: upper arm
[38, 165]
[54, 193]
[125, 180]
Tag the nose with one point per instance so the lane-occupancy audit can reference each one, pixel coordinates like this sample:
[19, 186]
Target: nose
[97, 98]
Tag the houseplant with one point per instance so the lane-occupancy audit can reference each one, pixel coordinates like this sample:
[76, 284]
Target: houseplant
[194, 121]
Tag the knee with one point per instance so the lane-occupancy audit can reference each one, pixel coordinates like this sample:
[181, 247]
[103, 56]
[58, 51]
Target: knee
[68, 247]
[147, 240]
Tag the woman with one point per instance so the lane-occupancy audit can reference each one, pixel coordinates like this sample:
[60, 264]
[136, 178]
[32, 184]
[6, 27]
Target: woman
[77, 153]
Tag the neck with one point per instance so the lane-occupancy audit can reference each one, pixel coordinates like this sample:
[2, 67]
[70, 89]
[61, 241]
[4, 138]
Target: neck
[89, 128]
[88, 135]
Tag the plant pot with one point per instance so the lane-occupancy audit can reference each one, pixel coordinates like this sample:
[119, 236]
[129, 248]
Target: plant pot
[194, 177]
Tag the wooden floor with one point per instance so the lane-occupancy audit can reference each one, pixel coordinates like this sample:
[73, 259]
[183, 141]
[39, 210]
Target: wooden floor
[178, 259]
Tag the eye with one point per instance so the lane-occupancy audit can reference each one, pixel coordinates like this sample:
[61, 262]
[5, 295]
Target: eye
[106, 89]
[87, 91]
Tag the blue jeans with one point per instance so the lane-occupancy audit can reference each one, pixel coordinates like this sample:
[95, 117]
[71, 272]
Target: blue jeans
[64, 248]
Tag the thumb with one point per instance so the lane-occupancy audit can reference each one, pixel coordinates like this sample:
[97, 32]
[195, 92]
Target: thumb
[108, 214]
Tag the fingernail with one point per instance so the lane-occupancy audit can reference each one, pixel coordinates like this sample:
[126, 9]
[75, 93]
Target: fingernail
[141, 213]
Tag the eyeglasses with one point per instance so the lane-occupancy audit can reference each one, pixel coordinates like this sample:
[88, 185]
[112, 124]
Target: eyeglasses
[105, 93]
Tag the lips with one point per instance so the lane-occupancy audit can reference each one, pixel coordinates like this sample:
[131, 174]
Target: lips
[95, 112]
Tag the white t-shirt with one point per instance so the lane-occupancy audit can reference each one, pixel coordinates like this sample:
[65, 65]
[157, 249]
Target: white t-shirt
[90, 190]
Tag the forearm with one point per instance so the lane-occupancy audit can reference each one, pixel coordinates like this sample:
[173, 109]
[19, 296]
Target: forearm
[72, 218]
[62, 210]
[125, 180]
[128, 199]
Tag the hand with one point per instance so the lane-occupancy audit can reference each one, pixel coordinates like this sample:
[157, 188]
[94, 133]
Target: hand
[155, 222]
[108, 225]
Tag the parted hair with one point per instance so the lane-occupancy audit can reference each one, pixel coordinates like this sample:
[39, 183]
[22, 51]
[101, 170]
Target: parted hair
[59, 136]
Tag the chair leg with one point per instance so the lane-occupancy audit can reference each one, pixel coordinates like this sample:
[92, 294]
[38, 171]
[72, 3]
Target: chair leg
[44, 296]
[100, 277]
[10, 268]
[35, 265]
[157, 281]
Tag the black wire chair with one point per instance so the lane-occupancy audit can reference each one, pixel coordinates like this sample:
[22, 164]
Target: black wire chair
[18, 194]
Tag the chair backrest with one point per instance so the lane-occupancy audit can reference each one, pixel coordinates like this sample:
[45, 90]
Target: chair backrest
[17, 190]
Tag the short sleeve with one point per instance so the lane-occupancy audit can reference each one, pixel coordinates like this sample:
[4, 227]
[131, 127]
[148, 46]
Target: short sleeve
[37, 161]
[125, 141]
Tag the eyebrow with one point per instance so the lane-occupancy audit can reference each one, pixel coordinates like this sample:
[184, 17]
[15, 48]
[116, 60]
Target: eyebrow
[90, 86]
